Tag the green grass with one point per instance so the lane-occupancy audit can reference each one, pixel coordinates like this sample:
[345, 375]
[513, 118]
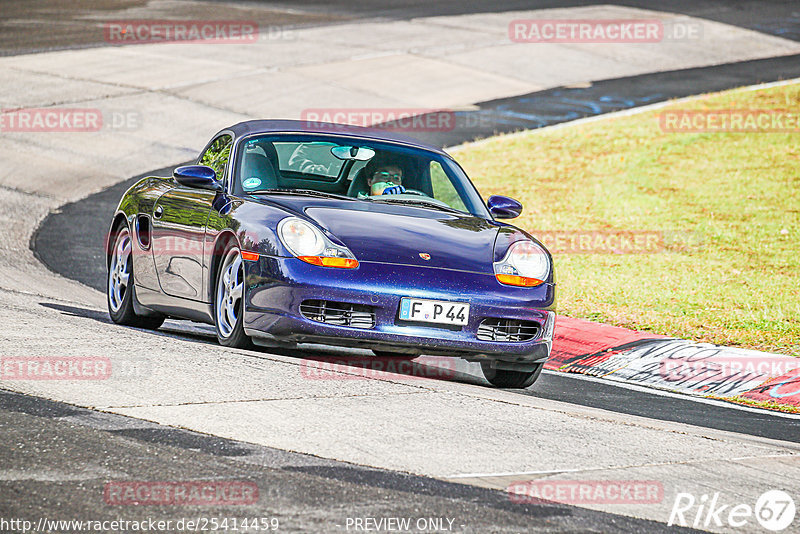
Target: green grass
[727, 204]
[767, 405]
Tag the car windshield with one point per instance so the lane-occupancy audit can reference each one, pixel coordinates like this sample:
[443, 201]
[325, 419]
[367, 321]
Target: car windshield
[364, 170]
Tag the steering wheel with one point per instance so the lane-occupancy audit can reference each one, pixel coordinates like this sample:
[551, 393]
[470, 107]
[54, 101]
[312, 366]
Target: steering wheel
[415, 192]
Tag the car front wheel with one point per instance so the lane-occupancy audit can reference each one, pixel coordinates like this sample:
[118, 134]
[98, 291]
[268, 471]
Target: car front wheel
[229, 301]
[502, 378]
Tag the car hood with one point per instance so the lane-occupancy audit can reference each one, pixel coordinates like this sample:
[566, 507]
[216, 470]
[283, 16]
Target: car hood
[405, 235]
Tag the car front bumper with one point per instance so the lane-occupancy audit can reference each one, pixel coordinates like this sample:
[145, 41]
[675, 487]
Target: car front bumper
[277, 286]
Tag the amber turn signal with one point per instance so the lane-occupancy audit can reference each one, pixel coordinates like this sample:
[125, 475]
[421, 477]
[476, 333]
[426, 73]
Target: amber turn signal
[514, 280]
[325, 261]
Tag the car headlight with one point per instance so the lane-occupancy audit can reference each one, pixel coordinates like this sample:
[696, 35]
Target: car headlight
[526, 264]
[309, 244]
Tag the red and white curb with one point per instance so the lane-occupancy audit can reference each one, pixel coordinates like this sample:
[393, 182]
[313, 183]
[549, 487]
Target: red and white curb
[700, 369]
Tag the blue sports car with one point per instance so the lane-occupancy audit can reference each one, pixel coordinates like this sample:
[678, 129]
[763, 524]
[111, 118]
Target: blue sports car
[287, 232]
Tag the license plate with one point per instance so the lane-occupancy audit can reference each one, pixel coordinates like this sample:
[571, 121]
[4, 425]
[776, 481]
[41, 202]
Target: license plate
[434, 311]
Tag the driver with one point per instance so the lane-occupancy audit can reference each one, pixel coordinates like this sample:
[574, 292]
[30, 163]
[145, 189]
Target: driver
[386, 179]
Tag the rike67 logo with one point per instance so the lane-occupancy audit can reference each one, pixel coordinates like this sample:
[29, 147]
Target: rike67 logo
[774, 510]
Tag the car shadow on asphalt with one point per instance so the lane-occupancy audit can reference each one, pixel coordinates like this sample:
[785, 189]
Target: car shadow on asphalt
[318, 362]
[169, 329]
[74, 311]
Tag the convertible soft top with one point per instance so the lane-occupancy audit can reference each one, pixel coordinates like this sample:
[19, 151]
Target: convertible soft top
[314, 127]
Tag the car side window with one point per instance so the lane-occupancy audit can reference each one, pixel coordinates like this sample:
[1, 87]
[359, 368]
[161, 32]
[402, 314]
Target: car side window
[217, 154]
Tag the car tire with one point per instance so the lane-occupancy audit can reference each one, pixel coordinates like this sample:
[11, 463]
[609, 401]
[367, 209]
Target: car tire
[395, 355]
[229, 300]
[502, 378]
[120, 287]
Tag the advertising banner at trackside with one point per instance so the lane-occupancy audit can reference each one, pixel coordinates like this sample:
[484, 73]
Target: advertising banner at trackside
[704, 369]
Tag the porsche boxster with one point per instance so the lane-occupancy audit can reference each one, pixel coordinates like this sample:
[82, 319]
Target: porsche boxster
[286, 232]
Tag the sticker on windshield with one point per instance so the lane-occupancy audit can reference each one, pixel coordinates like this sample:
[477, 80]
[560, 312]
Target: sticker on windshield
[252, 183]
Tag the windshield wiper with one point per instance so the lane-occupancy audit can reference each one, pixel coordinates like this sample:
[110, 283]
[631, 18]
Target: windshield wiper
[301, 192]
[420, 202]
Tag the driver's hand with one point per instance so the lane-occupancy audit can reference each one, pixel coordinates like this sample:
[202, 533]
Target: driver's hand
[394, 190]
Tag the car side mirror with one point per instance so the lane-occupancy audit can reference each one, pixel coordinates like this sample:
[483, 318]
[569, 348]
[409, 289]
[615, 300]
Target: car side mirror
[504, 207]
[198, 177]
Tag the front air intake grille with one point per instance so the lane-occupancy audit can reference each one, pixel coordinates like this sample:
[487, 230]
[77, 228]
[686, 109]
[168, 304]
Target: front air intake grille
[507, 330]
[338, 313]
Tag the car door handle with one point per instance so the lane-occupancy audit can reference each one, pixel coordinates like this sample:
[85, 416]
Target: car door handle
[158, 212]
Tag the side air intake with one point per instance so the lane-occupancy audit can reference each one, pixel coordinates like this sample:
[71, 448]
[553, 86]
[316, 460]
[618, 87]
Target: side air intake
[338, 313]
[508, 330]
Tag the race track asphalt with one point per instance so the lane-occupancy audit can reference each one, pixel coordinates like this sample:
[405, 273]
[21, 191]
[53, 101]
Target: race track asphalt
[57, 460]
[40, 25]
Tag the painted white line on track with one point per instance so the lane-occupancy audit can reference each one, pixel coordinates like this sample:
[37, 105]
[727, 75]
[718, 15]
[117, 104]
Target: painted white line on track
[664, 393]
